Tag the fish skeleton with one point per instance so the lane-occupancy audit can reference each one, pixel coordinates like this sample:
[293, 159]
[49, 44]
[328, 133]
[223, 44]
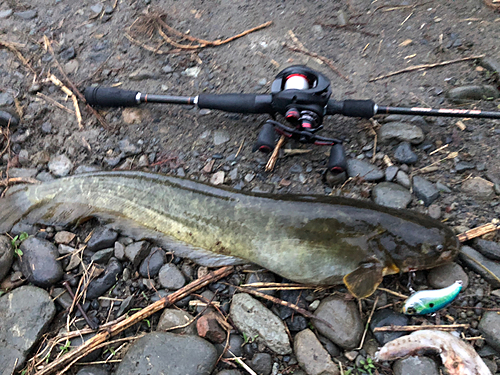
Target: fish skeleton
[429, 301]
[319, 240]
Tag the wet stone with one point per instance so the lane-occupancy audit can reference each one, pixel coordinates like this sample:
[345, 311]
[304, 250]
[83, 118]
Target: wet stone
[415, 365]
[151, 265]
[92, 370]
[445, 275]
[465, 94]
[478, 188]
[402, 132]
[126, 304]
[404, 154]
[64, 237]
[68, 53]
[100, 285]
[425, 190]
[490, 249]
[6, 99]
[102, 238]
[171, 318]
[490, 329]
[39, 262]
[254, 320]
[168, 353]
[390, 173]
[387, 317]
[103, 256]
[364, 169]
[208, 328]
[391, 195]
[236, 345]
[170, 277]
[262, 363]
[136, 252]
[463, 166]
[344, 317]
[27, 14]
[26, 313]
[477, 262]
[221, 137]
[6, 256]
[311, 355]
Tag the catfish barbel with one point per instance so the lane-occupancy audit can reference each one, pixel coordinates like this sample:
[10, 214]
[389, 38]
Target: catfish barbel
[319, 240]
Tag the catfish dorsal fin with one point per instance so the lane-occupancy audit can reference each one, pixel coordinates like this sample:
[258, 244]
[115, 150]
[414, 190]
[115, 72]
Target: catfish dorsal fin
[365, 279]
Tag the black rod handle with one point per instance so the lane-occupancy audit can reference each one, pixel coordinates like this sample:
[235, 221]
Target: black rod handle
[111, 97]
[352, 108]
[239, 103]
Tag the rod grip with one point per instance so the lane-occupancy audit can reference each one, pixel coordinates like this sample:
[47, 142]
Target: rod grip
[239, 103]
[110, 97]
[352, 108]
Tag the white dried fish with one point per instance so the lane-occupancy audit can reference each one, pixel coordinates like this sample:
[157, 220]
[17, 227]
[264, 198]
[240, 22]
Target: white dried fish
[458, 357]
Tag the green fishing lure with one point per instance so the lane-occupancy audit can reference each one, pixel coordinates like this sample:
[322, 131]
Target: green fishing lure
[430, 301]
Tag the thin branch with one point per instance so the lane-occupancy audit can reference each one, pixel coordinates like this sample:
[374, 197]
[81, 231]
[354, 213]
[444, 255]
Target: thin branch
[441, 327]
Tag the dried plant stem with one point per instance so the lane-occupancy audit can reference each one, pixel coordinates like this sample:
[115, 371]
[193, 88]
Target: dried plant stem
[425, 66]
[441, 327]
[274, 156]
[477, 232]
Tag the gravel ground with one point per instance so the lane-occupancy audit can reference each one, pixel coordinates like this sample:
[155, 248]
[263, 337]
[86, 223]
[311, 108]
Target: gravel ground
[368, 39]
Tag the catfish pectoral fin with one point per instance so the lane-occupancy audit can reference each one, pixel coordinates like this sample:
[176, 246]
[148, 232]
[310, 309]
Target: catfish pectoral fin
[364, 280]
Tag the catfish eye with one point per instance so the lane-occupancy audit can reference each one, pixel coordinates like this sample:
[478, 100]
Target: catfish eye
[439, 247]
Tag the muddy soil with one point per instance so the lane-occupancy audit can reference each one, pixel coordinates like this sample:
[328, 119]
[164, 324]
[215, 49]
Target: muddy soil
[363, 39]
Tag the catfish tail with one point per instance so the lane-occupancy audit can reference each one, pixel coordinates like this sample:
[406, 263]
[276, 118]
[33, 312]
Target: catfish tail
[13, 207]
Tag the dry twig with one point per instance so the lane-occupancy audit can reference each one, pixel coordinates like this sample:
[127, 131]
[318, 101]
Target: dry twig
[274, 156]
[479, 231]
[441, 327]
[426, 66]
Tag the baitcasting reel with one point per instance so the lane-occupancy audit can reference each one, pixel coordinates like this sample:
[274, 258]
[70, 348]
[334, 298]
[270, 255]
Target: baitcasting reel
[298, 93]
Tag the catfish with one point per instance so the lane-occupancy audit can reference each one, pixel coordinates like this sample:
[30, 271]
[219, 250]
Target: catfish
[316, 240]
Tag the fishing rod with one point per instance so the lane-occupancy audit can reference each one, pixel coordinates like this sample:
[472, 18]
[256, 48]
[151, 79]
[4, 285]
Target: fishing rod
[298, 93]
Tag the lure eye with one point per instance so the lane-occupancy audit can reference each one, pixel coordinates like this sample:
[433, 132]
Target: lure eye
[411, 310]
[439, 247]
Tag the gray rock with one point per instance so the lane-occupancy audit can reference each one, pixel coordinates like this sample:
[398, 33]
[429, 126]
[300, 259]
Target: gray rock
[445, 275]
[5, 13]
[92, 370]
[39, 262]
[23, 172]
[68, 53]
[77, 341]
[27, 14]
[262, 363]
[465, 94]
[344, 317]
[261, 277]
[387, 317]
[253, 319]
[97, 8]
[415, 365]
[168, 353]
[119, 251]
[391, 195]
[127, 302]
[167, 69]
[489, 249]
[390, 173]
[151, 265]
[128, 148]
[142, 74]
[462, 166]
[478, 188]
[220, 137]
[136, 252]
[425, 190]
[364, 169]
[235, 345]
[174, 318]
[403, 179]
[311, 355]
[404, 154]
[488, 269]
[6, 256]
[62, 297]
[102, 238]
[26, 313]
[491, 64]
[6, 99]
[434, 211]
[442, 187]
[60, 165]
[170, 277]
[99, 286]
[103, 256]
[400, 131]
[490, 329]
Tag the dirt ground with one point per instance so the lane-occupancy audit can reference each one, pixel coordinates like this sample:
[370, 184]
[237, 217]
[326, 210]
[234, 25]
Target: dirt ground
[378, 37]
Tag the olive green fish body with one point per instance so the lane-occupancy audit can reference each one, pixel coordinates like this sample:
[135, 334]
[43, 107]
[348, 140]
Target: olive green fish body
[307, 239]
